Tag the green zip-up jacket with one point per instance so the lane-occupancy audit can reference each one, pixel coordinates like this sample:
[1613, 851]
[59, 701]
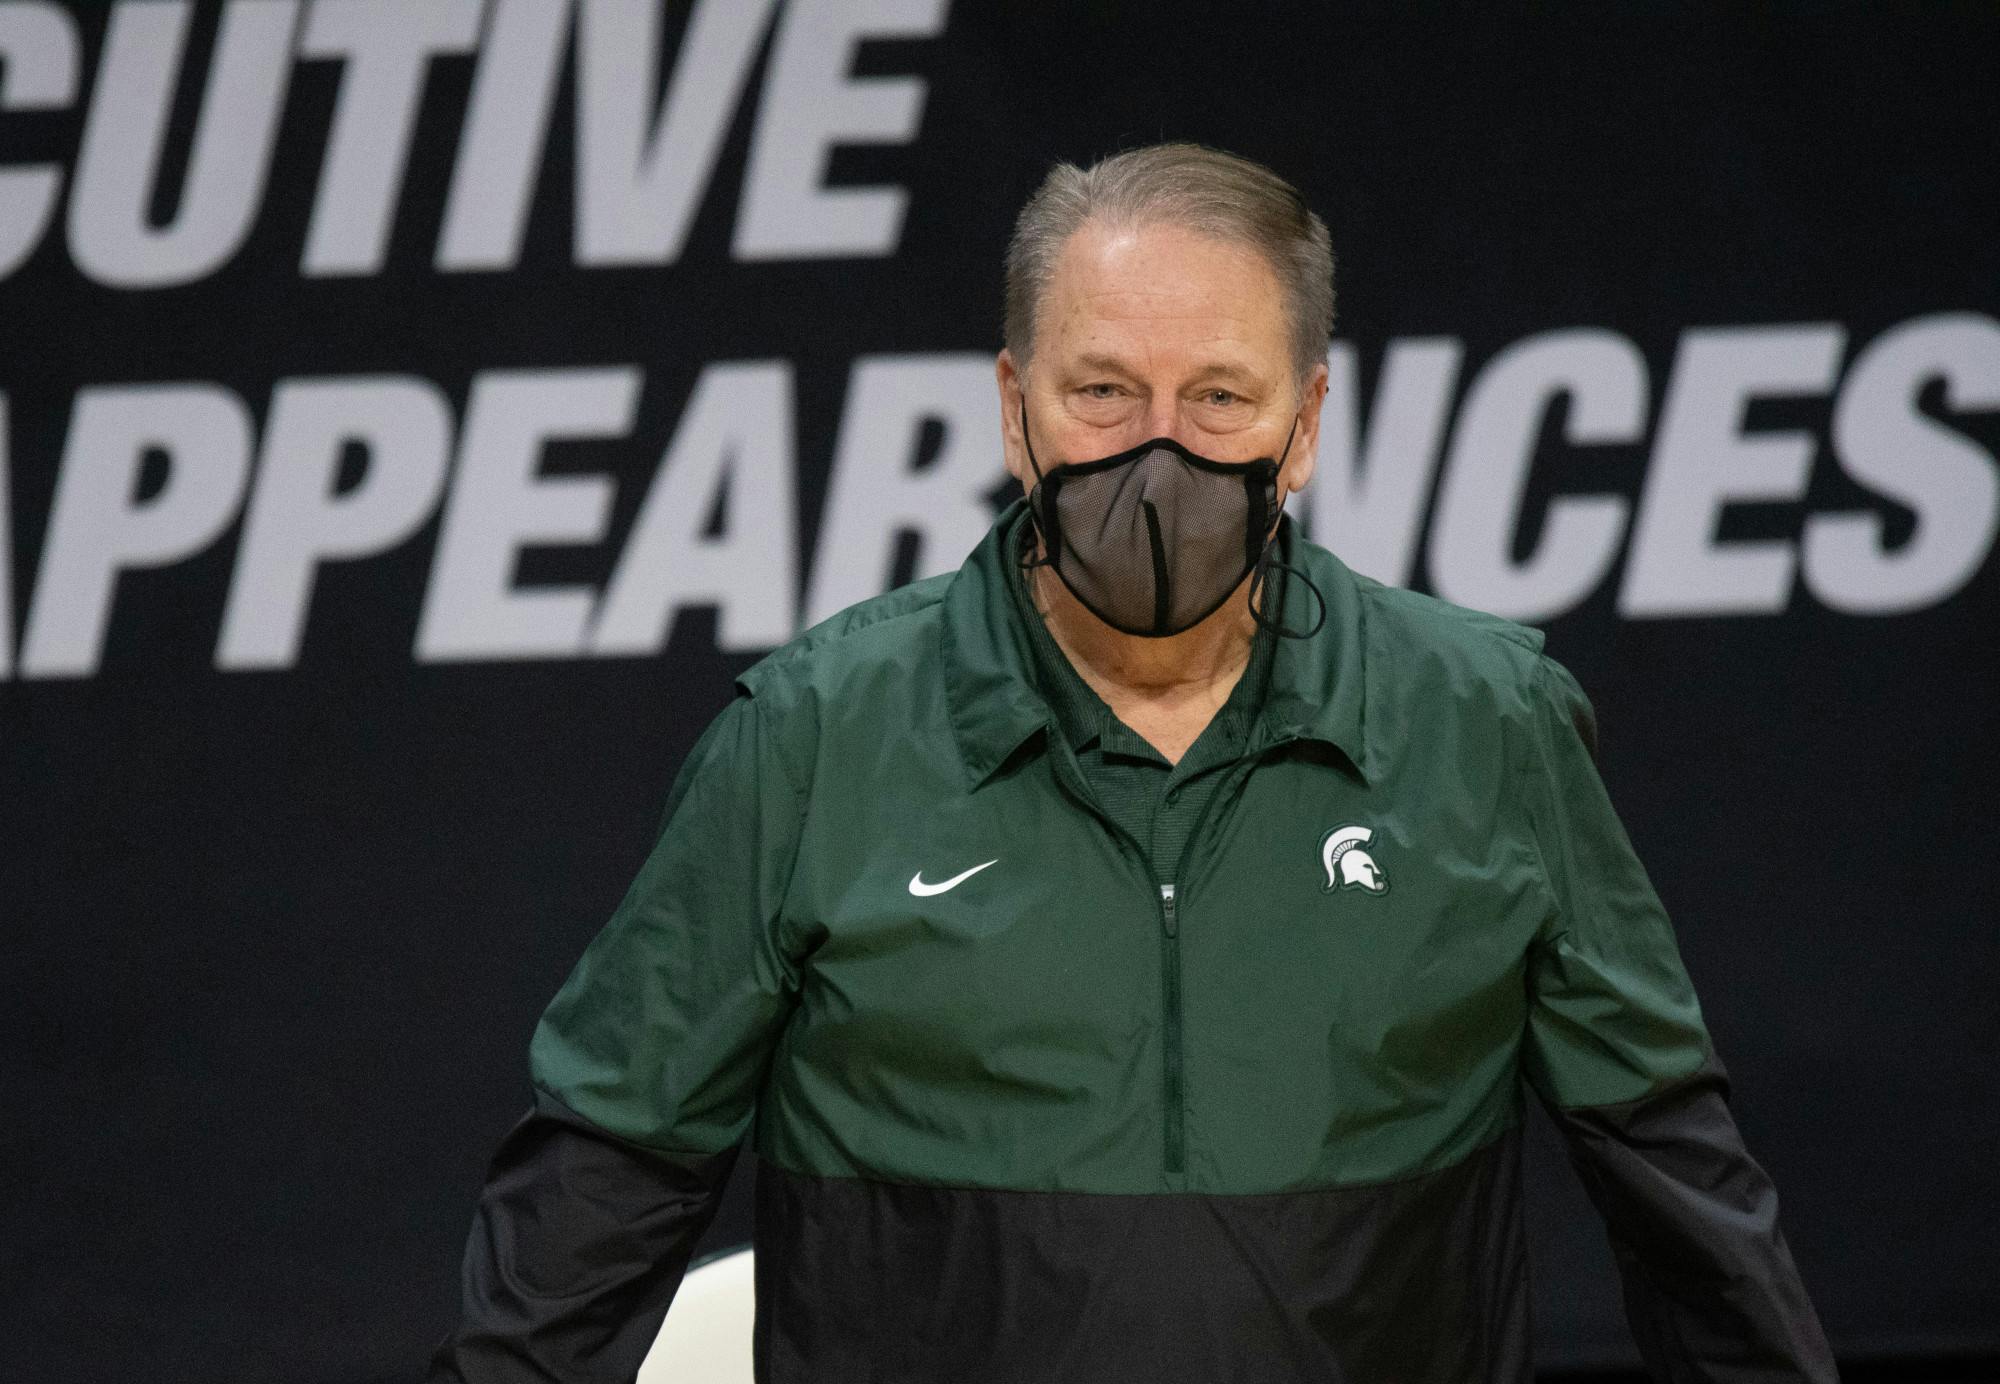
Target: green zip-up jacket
[1027, 1107]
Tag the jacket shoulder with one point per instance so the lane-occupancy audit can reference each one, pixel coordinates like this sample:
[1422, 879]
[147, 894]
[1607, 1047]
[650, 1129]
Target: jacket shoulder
[896, 622]
[1418, 641]
[1434, 619]
[869, 665]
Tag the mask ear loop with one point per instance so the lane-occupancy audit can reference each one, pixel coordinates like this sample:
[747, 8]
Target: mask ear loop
[1266, 561]
[1048, 558]
[1264, 565]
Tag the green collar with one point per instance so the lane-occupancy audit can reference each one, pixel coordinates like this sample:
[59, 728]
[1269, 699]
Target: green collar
[1316, 689]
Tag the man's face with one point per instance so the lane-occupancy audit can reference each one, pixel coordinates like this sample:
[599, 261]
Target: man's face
[1157, 331]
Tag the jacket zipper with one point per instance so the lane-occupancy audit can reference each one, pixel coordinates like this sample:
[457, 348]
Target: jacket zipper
[1171, 960]
[1176, 1134]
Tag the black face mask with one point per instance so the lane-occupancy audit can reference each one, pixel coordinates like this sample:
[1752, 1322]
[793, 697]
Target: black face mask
[1152, 540]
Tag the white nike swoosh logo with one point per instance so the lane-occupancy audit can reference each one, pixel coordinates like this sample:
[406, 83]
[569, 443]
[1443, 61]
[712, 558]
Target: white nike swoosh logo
[924, 891]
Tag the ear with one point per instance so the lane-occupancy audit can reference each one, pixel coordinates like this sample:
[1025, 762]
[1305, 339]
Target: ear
[1299, 463]
[1007, 375]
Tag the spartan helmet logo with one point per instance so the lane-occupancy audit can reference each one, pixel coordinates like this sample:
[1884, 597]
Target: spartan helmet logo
[1347, 865]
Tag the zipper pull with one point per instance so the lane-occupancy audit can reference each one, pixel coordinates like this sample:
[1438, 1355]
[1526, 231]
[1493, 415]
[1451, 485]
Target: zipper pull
[1167, 904]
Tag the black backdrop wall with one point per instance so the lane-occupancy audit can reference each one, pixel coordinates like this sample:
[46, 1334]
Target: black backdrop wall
[411, 416]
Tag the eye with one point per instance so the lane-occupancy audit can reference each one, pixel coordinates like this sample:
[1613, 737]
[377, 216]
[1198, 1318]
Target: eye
[1221, 398]
[1101, 389]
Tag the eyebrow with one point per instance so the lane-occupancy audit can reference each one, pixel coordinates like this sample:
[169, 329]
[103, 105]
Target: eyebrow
[1093, 360]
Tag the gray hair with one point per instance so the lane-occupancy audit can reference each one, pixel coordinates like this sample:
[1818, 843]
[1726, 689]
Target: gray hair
[1189, 185]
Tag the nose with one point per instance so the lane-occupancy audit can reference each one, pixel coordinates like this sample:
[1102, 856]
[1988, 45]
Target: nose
[1163, 417]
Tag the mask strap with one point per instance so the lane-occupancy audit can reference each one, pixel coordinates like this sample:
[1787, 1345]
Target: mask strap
[1290, 433]
[1264, 565]
[1034, 516]
[1257, 545]
[1266, 561]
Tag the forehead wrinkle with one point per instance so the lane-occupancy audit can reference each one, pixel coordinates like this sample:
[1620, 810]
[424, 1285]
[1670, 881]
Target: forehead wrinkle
[1118, 303]
[1139, 300]
[1208, 326]
[1136, 268]
[1224, 348]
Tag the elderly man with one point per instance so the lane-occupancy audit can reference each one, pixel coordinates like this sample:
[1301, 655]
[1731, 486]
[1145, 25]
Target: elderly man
[1126, 953]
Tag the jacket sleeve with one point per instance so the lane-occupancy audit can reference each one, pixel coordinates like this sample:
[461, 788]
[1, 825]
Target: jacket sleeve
[645, 1069]
[1618, 1054]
